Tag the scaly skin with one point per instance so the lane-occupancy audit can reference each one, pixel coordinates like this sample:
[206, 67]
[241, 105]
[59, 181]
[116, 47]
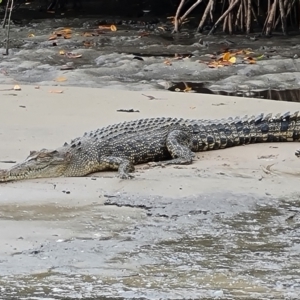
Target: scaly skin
[173, 141]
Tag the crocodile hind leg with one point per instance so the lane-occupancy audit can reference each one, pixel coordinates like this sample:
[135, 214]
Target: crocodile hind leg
[177, 144]
[297, 153]
[123, 165]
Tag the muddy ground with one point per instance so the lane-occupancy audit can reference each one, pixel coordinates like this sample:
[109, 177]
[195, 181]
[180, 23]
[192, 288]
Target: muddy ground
[226, 227]
[144, 55]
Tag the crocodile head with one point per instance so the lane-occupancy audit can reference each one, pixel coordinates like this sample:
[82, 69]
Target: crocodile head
[44, 163]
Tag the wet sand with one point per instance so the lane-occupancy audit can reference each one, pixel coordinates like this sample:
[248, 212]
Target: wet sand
[61, 227]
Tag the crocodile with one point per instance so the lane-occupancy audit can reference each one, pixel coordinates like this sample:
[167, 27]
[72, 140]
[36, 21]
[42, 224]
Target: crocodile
[161, 140]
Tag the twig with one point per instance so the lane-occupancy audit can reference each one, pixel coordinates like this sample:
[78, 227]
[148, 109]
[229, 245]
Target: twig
[283, 17]
[8, 26]
[5, 15]
[248, 25]
[176, 19]
[229, 9]
[188, 11]
[205, 14]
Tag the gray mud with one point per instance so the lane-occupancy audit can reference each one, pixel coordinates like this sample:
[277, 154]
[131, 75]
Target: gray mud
[134, 57]
[217, 245]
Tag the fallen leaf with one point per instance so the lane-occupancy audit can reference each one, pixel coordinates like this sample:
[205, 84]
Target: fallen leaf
[260, 57]
[56, 91]
[142, 34]
[187, 88]
[232, 59]
[62, 52]
[113, 28]
[61, 79]
[162, 28]
[52, 37]
[192, 107]
[168, 62]
[226, 56]
[67, 36]
[17, 88]
[67, 31]
[31, 35]
[87, 34]
[37, 87]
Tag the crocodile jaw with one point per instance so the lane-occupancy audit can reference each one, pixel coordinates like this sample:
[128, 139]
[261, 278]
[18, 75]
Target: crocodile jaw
[39, 164]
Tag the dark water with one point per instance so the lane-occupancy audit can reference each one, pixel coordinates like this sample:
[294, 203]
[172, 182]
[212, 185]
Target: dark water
[290, 95]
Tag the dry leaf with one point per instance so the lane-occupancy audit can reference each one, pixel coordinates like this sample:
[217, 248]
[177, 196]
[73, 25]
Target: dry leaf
[163, 29]
[62, 52]
[88, 34]
[187, 88]
[232, 60]
[260, 57]
[226, 56]
[66, 31]
[61, 79]
[37, 87]
[192, 107]
[142, 34]
[17, 88]
[52, 37]
[56, 91]
[67, 36]
[113, 28]
[168, 62]
[31, 35]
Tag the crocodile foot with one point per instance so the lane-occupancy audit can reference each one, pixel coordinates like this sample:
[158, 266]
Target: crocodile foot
[297, 153]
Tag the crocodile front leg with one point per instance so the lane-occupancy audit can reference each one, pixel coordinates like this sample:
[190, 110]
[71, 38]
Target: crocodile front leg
[124, 166]
[178, 145]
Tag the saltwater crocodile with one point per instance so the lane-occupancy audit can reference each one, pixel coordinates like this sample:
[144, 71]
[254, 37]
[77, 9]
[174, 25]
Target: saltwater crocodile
[165, 140]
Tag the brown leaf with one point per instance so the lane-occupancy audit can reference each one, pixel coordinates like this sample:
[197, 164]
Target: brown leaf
[168, 62]
[113, 28]
[142, 34]
[17, 88]
[226, 56]
[31, 35]
[62, 52]
[52, 37]
[67, 36]
[87, 34]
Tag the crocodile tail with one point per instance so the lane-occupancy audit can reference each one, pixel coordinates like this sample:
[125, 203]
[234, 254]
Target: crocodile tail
[218, 134]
